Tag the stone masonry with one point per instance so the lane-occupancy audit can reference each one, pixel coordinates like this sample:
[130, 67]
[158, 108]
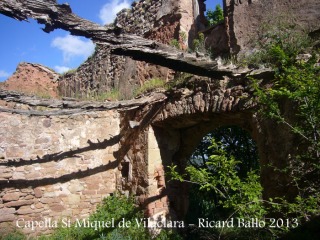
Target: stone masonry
[163, 21]
[244, 18]
[55, 167]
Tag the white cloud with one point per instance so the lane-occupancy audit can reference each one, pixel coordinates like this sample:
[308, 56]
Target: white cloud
[72, 46]
[4, 74]
[109, 10]
[61, 69]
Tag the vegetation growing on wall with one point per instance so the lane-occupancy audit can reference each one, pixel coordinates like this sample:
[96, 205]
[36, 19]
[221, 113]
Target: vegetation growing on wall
[297, 84]
[291, 53]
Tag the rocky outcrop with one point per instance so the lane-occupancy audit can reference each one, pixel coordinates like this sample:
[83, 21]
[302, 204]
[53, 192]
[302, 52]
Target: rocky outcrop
[33, 78]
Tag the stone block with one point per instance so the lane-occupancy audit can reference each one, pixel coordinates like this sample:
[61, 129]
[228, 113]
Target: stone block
[50, 194]
[46, 200]
[18, 203]
[75, 187]
[57, 208]
[25, 210]
[28, 197]
[74, 199]
[33, 175]
[11, 197]
[160, 210]
[37, 193]
[89, 192]
[42, 140]
[95, 200]
[18, 175]
[164, 199]
[159, 204]
[7, 218]
[5, 211]
[39, 205]
[26, 190]
[6, 175]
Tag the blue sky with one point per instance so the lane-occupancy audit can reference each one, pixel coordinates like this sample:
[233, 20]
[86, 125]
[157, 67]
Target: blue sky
[26, 42]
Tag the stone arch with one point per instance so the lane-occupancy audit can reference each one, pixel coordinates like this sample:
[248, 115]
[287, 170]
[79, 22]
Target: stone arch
[177, 143]
[189, 114]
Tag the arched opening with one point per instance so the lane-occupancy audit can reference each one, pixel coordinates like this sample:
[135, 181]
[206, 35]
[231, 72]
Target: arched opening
[227, 158]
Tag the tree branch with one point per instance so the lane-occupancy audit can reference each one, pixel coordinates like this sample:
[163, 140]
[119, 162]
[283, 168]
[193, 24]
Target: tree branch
[55, 16]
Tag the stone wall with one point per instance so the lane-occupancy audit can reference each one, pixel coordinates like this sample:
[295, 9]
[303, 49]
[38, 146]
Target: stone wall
[32, 78]
[56, 167]
[243, 20]
[159, 20]
[104, 72]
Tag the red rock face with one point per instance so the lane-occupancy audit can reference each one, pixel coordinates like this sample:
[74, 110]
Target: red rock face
[33, 79]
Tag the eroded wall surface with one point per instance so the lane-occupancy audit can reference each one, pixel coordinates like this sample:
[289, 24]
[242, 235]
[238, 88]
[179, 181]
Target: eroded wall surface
[55, 167]
[245, 17]
[162, 21]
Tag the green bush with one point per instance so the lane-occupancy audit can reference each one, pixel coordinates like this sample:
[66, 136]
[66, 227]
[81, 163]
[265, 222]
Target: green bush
[175, 43]
[113, 207]
[296, 84]
[13, 236]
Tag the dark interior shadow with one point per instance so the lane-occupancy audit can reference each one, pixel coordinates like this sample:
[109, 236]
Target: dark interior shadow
[307, 231]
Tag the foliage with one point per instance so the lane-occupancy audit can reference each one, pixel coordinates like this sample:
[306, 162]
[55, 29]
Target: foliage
[175, 43]
[113, 207]
[183, 36]
[219, 189]
[215, 16]
[180, 80]
[236, 142]
[296, 84]
[277, 40]
[112, 95]
[13, 236]
[199, 43]
[150, 85]
[241, 197]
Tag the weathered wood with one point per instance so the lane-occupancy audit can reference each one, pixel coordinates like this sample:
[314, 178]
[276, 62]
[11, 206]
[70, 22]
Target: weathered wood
[62, 107]
[55, 16]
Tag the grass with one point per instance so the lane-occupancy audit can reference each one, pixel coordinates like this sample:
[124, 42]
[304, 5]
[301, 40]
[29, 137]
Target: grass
[150, 85]
[112, 95]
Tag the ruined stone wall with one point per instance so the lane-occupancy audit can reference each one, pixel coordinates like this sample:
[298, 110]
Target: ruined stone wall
[103, 72]
[32, 78]
[244, 18]
[55, 167]
[159, 20]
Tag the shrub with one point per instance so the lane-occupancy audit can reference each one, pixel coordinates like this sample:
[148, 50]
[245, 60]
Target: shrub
[175, 43]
